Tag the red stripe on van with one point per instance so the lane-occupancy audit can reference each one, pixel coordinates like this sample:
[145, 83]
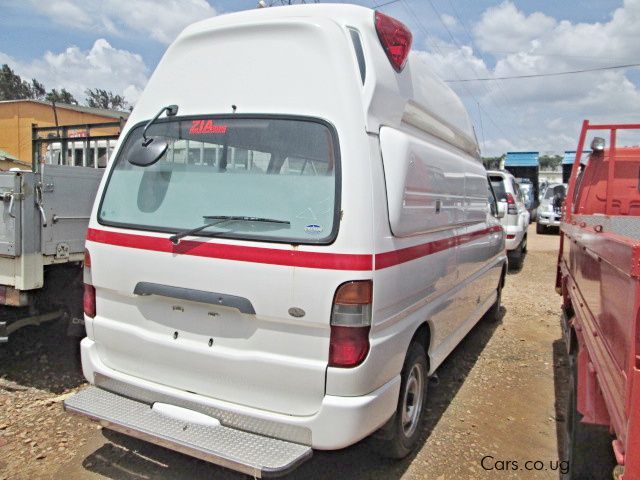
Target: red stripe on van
[396, 257]
[271, 256]
[291, 258]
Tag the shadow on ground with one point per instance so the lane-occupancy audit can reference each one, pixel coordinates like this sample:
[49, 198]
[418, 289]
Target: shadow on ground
[125, 458]
[42, 357]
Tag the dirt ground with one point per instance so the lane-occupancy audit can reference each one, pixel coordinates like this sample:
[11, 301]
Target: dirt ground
[499, 398]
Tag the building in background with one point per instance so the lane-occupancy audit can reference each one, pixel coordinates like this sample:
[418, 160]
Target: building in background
[567, 163]
[8, 162]
[18, 117]
[525, 165]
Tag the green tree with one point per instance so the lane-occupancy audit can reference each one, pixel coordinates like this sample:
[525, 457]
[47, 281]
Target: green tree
[61, 97]
[550, 162]
[99, 98]
[12, 87]
[492, 163]
[37, 89]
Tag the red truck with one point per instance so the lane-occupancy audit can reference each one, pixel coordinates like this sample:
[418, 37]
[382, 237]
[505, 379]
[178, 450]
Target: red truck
[599, 280]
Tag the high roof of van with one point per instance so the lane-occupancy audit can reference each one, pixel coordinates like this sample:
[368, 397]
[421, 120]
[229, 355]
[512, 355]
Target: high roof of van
[302, 60]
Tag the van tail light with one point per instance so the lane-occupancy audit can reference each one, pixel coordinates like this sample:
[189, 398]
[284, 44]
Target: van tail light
[350, 324]
[395, 38]
[89, 301]
[89, 297]
[511, 204]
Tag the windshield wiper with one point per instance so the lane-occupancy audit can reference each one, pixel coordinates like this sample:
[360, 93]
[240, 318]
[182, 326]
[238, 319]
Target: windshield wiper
[175, 239]
[246, 219]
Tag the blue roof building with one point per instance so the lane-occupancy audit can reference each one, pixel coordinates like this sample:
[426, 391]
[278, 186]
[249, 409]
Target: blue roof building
[521, 159]
[570, 156]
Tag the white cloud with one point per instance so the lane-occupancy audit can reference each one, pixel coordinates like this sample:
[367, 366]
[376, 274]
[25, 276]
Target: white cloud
[162, 21]
[102, 66]
[505, 26]
[544, 113]
[448, 20]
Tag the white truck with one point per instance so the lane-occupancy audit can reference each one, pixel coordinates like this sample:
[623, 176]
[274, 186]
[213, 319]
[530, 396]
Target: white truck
[44, 215]
[294, 233]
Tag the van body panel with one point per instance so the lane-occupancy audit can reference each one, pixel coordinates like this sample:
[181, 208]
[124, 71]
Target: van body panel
[406, 148]
[425, 184]
[340, 421]
[269, 360]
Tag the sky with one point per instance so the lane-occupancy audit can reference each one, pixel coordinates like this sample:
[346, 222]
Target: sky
[116, 44]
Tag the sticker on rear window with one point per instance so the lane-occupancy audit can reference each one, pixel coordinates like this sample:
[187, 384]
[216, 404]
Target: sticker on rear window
[313, 229]
[201, 127]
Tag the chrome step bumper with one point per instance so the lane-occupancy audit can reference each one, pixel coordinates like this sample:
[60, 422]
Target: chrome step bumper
[245, 452]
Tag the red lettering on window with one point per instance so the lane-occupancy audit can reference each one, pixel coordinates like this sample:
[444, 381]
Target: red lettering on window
[202, 127]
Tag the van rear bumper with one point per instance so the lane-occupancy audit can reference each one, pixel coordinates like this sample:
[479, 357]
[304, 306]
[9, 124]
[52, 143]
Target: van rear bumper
[340, 421]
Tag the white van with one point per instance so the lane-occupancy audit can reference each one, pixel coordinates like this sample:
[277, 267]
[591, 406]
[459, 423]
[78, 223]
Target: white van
[294, 232]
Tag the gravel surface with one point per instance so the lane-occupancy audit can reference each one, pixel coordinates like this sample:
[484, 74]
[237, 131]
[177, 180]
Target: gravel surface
[499, 396]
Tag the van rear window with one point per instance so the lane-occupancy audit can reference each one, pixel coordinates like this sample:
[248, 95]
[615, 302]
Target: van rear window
[255, 168]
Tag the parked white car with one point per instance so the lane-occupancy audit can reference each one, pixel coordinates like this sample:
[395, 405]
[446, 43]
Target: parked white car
[550, 209]
[287, 244]
[516, 221]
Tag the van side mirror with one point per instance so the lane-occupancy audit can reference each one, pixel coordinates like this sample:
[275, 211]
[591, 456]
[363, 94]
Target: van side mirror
[147, 152]
[502, 209]
[151, 149]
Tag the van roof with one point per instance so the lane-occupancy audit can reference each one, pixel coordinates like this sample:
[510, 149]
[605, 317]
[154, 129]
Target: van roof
[301, 60]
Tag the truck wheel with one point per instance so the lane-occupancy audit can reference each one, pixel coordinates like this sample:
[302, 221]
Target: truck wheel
[404, 429]
[587, 447]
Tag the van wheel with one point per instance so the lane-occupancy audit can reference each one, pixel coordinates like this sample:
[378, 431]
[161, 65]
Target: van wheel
[587, 447]
[404, 429]
[540, 229]
[523, 248]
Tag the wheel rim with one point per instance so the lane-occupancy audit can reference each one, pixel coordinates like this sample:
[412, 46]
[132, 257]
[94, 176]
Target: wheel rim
[412, 400]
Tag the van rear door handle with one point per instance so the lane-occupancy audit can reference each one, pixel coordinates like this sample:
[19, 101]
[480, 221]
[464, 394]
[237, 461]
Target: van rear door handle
[212, 298]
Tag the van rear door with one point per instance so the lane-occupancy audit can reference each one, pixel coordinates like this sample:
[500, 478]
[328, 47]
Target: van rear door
[239, 311]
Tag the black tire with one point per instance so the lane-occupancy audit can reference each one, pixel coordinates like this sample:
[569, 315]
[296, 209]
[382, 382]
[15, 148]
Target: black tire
[493, 314]
[515, 258]
[587, 447]
[403, 431]
[540, 229]
[523, 245]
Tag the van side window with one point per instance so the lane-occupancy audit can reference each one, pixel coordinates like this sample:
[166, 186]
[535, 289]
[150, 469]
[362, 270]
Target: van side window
[491, 197]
